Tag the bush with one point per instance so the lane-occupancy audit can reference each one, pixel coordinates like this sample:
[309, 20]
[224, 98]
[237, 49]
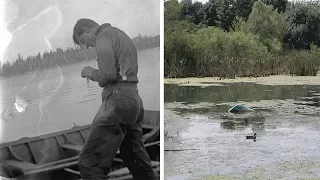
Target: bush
[213, 52]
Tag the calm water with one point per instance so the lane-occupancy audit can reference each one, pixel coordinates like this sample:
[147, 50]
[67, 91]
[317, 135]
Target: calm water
[212, 143]
[59, 98]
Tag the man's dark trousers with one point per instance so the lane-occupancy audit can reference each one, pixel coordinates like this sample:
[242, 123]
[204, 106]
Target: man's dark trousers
[117, 125]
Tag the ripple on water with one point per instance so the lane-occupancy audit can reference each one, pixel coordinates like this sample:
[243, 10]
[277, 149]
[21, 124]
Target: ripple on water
[288, 138]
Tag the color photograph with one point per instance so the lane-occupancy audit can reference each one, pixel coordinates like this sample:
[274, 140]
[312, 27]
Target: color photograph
[241, 89]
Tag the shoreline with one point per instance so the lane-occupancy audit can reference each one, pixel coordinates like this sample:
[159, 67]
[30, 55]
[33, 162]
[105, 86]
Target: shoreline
[268, 80]
[61, 66]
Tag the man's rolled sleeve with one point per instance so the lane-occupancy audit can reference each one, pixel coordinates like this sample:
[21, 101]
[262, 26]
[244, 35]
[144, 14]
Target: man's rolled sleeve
[106, 61]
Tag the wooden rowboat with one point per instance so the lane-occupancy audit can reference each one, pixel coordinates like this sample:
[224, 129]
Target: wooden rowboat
[55, 155]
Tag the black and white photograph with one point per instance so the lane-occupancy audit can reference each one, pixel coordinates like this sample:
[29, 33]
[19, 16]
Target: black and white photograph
[80, 89]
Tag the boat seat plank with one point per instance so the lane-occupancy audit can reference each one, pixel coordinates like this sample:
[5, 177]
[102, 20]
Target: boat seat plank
[30, 168]
[125, 171]
[148, 126]
[23, 165]
[128, 176]
[51, 168]
[75, 147]
[120, 174]
[78, 148]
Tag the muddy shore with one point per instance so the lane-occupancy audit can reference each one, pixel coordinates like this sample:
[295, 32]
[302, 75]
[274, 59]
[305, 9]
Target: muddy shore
[269, 80]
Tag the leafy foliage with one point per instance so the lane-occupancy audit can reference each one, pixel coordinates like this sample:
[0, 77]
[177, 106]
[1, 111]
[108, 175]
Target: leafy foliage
[232, 38]
[244, 8]
[303, 25]
[172, 10]
[279, 5]
[268, 24]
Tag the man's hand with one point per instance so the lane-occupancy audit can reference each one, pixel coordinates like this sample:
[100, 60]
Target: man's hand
[87, 72]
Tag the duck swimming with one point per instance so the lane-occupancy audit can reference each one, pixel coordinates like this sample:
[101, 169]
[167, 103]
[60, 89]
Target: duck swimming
[252, 137]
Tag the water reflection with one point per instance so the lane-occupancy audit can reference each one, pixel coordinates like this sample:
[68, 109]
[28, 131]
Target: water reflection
[312, 99]
[54, 99]
[221, 97]
[201, 116]
[203, 110]
[255, 122]
[271, 105]
[238, 92]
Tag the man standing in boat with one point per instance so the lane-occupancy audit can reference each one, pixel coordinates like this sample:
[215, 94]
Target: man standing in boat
[117, 124]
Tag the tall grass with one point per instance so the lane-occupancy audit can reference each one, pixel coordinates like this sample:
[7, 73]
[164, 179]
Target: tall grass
[213, 52]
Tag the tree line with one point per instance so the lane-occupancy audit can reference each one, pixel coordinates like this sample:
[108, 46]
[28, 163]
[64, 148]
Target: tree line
[232, 38]
[62, 57]
[146, 42]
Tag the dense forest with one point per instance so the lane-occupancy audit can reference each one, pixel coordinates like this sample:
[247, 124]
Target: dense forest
[241, 38]
[62, 57]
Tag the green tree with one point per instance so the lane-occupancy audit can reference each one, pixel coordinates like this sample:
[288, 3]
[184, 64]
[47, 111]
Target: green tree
[226, 13]
[172, 11]
[268, 24]
[198, 12]
[279, 5]
[244, 8]
[302, 26]
[187, 9]
[209, 10]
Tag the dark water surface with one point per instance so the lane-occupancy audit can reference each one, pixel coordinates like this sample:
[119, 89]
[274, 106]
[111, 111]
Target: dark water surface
[240, 92]
[212, 141]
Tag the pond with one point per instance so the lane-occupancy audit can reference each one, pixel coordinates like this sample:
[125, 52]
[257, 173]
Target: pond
[204, 141]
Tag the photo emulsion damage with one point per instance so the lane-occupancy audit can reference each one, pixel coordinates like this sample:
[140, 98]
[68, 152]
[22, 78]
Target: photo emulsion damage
[80, 90]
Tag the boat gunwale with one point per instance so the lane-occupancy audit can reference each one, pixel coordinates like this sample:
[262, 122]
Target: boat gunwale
[24, 140]
[43, 137]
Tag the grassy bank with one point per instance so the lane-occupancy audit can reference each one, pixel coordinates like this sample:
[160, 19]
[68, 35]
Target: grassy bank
[212, 52]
